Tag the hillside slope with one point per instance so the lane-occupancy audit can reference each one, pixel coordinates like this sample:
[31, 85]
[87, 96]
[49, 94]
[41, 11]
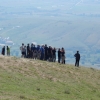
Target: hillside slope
[27, 79]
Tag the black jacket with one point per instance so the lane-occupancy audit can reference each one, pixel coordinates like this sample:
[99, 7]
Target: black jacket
[77, 56]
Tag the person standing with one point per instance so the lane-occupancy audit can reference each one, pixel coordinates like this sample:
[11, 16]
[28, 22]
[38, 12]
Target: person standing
[50, 53]
[3, 50]
[25, 49]
[63, 55]
[54, 54]
[46, 52]
[59, 55]
[34, 50]
[35, 53]
[38, 52]
[42, 52]
[22, 50]
[28, 51]
[77, 56]
[8, 51]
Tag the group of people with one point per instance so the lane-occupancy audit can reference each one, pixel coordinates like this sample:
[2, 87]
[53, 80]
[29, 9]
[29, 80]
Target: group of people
[43, 52]
[6, 49]
[47, 53]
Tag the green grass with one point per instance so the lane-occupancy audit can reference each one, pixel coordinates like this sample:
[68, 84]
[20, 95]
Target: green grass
[22, 79]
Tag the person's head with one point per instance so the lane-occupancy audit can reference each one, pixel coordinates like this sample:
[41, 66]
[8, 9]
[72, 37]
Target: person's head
[28, 44]
[22, 44]
[32, 44]
[77, 51]
[45, 45]
[62, 48]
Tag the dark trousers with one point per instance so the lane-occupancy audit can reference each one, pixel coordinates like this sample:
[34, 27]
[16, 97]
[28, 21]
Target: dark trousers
[64, 62]
[42, 56]
[59, 59]
[46, 57]
[77, 62]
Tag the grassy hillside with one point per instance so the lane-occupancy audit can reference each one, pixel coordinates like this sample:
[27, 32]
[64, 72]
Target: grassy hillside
[26, 79]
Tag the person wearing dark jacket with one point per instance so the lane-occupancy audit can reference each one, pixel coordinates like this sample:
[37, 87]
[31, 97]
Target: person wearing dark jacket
[28, 51]
[77, 56]
[59, 55]
[3, 50]
[54, 54]
[46, 52]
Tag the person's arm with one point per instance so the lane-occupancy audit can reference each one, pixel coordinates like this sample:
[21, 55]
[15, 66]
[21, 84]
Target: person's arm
[75, 55]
